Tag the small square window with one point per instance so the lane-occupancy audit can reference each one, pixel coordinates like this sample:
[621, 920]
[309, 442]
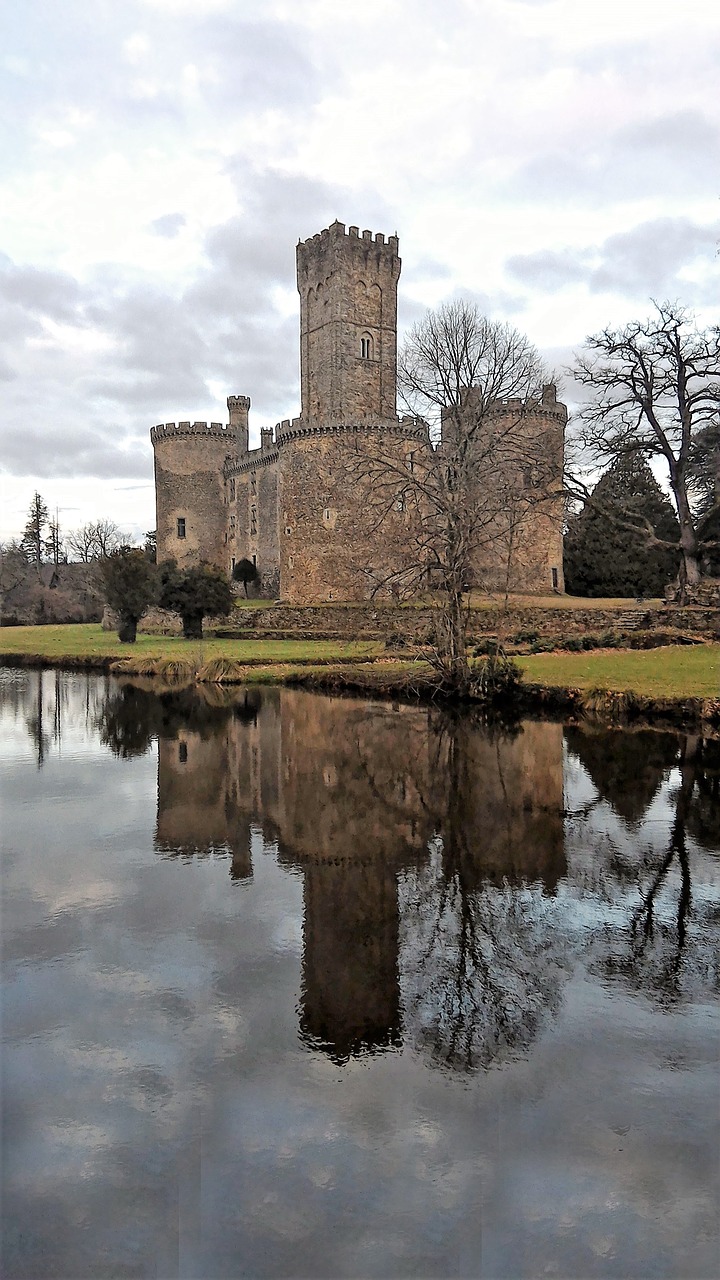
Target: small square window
[181, 527]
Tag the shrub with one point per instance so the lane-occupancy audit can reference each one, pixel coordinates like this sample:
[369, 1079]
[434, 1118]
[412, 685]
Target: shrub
[496, 678]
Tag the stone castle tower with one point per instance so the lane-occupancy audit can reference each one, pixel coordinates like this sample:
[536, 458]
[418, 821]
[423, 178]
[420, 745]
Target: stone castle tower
[348, 326]
[293, 506]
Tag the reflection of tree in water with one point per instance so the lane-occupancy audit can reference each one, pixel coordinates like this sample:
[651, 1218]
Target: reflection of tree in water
[135, 715]
[485, 955]
[703, 822]
[627, 767]
[46, 699]
[669, 949]
[487, 967]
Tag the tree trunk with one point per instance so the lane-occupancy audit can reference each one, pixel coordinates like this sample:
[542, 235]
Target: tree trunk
[127, 629]
[689, 574]
[193, 626]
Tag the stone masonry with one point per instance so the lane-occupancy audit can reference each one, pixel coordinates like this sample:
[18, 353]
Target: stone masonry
[293, 506]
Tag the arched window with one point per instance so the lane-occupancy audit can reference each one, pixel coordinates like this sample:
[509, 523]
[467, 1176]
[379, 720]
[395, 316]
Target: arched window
[366, 347]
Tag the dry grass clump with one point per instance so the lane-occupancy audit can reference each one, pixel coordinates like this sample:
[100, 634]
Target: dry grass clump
[222, 671]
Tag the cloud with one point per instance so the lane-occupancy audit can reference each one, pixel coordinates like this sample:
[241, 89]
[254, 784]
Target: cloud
[633, 162]
[168, 225]
[647, 261]
[92, 365]
[258, 64]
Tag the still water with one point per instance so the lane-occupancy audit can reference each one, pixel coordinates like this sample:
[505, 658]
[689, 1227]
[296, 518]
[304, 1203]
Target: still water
[300, 986]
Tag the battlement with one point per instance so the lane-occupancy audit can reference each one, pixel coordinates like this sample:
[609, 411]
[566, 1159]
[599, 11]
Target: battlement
[176, 430]
[336, 242]
[548, 405]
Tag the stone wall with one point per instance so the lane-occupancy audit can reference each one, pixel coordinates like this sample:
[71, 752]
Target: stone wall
[368, 621]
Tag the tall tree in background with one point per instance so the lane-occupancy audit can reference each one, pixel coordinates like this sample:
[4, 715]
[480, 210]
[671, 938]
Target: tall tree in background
[95, 540]
[54, 543]
[704, 487]
[655, 391]
[605, 558]
[33, 538]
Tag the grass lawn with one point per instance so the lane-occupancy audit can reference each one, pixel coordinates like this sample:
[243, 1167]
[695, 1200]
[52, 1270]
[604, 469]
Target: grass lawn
[88, 640]
[675, 672]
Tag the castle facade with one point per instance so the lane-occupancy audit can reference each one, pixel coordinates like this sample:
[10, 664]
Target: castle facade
[297, 507]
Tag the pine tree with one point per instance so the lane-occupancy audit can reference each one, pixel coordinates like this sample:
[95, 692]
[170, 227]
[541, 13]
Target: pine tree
[33, 538]
[604, 560]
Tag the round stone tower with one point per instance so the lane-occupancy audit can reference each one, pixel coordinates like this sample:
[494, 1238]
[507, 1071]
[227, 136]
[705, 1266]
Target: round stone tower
[191, 509]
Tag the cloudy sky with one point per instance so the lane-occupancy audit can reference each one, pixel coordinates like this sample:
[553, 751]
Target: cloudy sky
[557, 160]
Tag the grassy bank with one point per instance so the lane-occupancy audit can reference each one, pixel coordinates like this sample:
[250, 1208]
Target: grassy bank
[673, 672]
[88, 641]
[662, 674]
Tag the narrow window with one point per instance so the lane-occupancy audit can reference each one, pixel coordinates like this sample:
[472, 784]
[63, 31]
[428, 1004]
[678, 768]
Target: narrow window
[232, 490]
[182, 752]
[253, 521]
[400, 503]
[366, 347]
[255, 561]
[291, 562]
[411, 461]
[232, 566]
[554, 578]
[181, 527]
[326, 513]
[253, 483]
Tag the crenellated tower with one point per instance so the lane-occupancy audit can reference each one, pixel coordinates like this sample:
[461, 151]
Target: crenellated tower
[348, 325]
[190, 500]
[238, 413]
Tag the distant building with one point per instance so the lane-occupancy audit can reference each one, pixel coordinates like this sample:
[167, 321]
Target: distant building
[288, 506]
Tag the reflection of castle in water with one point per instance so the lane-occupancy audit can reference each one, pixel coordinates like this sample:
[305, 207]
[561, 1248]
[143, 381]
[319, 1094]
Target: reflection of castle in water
[352, 792]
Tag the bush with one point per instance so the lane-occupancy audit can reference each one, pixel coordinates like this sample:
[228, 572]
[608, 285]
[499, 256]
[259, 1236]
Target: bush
[194, 593]
[130, 586]
[525, 637]
[486, 647]
[496, 678]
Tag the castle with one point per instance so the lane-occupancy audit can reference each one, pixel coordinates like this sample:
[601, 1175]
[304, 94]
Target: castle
[292, 506]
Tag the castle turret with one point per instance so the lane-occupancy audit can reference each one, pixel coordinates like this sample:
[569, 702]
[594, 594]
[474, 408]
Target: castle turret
[348, 325]
[238, 410]
[190, 504]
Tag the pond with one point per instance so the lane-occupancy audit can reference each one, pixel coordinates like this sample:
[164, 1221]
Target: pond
[309, 986]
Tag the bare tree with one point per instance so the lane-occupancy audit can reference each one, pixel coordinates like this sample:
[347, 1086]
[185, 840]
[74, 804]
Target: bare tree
[54, 543]
[655, 388]
[451, 490]
[95, 540]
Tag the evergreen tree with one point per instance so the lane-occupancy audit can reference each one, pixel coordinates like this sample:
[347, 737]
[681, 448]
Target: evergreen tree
[33, 538]
[130, 584]
[245, 571]
[194, 593]
[603, 559]
[704, 489]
